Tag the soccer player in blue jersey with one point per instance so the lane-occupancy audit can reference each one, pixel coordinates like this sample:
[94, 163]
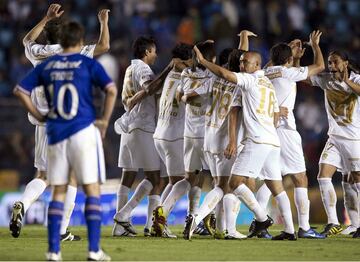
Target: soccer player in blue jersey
[73, 132]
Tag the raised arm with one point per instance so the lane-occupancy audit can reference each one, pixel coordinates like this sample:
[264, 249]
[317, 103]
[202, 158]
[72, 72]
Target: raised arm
[344, 76]
[217, 70]
[52, 12]
[103, 44]
[297, 51]
[319, 64]
[244, 39]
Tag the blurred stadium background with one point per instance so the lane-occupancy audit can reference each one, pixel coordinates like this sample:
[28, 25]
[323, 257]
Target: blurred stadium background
[169, 22]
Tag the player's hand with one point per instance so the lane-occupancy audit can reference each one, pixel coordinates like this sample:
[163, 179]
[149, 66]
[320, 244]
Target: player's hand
[230, 150]
[198, 54]
[342, 76]
[315, 37]
[54, 11]
[178, 96]
[102, 125]
[247, 33]
[103, 16]
[296, 48]
[284, 112]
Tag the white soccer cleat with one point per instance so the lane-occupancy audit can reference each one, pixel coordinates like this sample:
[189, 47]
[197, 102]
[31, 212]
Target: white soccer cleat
[119, 231]
[51, 256]
[349, 230]
[98, 256]
[235, 235]
[167, 233]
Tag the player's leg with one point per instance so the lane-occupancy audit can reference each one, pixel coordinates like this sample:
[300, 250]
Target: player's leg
[356, 178]
[351, 203]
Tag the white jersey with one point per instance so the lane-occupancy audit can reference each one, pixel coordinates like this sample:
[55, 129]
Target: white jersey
[196, 109]
[284, 80]
[143, 115]
[170, 124]
[342, 105]
[223, 95]
[259, 104]
[36, 54]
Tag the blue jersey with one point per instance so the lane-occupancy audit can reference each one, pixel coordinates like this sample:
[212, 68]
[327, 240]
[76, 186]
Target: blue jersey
[68, 80]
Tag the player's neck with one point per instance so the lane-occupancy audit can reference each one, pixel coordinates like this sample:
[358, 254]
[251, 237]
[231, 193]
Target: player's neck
[72, 49]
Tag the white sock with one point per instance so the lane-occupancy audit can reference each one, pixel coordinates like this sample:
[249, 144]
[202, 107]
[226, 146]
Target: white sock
[211, 200]
[351, 203]
[69, 205]
[302, 204]
[122, 197]
[165, 193]
[263, 196]
[231, 209]
[248, 198]
[154, 201]
[328, 196]
[143, 189]
[178, 190]
[194, 199]
[32, 192]
[220, 216]
[283, 203]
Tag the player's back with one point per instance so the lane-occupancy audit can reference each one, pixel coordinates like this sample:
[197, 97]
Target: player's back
[259, 104]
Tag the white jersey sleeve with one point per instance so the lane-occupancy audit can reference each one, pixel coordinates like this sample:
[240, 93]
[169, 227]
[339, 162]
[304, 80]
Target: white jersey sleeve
[321, 80]
[37, 53]
[295, 74]
[244, 80]
[355, 78]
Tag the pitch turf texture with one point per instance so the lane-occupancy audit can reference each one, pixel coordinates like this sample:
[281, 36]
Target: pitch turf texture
[32, 244]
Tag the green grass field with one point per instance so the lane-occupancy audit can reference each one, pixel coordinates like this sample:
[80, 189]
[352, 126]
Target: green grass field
[32, 244]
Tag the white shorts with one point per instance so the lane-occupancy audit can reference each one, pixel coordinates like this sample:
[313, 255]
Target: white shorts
[137, 150]
[341, 153]
[172, 154]
[291, 153]
[219, 165]
[41, 143]
[194, 154]
[258, 158]
[83, 153]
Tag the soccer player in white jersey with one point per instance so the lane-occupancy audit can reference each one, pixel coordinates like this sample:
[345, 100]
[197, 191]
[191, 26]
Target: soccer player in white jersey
[193, 134]
[261, 152]
[342, 150]
[283, 75]
[137, 148]
[74, 135]
[36, 53]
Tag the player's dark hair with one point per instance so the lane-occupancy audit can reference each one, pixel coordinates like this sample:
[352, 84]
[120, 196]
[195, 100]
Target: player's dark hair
[234, 60]
[142, 44]
[52, 30]
[224, 56]
[280, 54]
[182, 51]
[208, 51]
[352, 65]
[71, 34]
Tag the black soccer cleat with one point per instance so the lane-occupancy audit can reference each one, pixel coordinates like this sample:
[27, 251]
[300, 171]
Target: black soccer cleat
[257, 227]
[189, 227]
[17, 216]
[357, 233]
[69, 237]
[331, 229]
[285, 236]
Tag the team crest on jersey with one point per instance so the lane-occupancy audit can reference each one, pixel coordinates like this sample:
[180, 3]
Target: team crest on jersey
[324, 156]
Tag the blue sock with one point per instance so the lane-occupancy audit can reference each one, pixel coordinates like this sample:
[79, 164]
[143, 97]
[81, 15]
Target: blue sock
[93, 221]
[55, 214]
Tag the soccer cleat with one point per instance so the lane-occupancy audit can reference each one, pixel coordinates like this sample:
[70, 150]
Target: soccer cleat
[98, 256]
[220, 234]
[50, 256]
[210, 223]
[159, 221]
[167, 233]
[119, 231]
[147, 232]
[310, 234]
[264, 234]
[331, 229]
[260, 226]
[201, 230]
[69, 237]
[17, 216]
[357, 233]
[235, 235]
[285, 236]
[190, 226]
[350, 230]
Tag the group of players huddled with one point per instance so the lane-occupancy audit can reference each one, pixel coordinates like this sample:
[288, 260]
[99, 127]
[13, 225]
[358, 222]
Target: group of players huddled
[234, 120]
